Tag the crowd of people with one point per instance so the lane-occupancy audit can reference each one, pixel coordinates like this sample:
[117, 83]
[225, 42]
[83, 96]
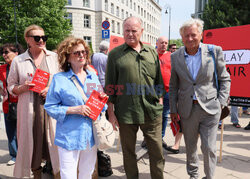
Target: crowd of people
[145, 85]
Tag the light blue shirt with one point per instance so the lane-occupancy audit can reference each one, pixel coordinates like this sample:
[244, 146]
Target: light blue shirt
[73, 131]
[193, 63]
[99, 61]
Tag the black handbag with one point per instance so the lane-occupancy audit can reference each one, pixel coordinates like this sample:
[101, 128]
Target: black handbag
[104, 164]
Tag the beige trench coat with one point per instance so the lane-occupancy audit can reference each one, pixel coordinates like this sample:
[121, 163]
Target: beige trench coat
[20, 67]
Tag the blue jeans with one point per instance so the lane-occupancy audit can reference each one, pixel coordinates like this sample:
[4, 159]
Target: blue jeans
[234, 114]
[10, 127]
[165, 113]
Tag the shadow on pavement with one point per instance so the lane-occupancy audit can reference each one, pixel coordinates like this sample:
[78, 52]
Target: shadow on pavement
[4, 145]
[6, 177]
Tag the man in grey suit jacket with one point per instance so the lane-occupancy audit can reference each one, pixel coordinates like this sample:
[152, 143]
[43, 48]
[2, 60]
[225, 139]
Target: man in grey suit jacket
[194, 98]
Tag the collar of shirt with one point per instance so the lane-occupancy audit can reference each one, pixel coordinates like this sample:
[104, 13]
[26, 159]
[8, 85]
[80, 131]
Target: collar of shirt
[70, 73]
[126, 46]
[28, 57]
[197, 53]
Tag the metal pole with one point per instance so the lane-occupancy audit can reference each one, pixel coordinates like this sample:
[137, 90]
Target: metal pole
[169, 24]
[15, 19]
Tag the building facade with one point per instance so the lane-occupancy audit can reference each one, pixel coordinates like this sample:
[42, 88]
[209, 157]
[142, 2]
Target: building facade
[199, 7]
[87, 16]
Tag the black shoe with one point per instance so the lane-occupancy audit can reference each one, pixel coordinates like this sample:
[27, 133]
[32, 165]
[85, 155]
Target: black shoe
[143, 144]
[164, 145]
[47, 168]
[174, 151]
[247, 127]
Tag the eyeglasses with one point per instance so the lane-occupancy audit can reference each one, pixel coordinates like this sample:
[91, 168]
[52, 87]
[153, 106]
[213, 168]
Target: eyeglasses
[78, 53]
[37, 38]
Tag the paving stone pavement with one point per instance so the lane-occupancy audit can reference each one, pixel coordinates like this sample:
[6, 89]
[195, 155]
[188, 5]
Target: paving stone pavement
[235, 162]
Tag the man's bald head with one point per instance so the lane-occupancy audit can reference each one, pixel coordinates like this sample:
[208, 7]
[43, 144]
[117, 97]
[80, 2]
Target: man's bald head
[162, 44]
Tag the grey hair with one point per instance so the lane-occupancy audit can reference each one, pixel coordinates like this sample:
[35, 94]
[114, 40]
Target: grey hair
[191, 22]
[133, 17]
[104, 45]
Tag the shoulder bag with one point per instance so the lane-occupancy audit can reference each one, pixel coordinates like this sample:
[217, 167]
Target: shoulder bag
[225, 111]
[104, 133]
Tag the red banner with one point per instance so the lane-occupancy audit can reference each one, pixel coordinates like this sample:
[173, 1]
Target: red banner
[235, 42]
[116, 41]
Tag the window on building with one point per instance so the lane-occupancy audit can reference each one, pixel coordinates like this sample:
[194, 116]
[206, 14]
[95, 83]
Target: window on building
[113, 26]
[134, 6]
[139, 9]
[112, 8]
[144, 13]
[117, 11]
[69, 17]
[126, 14]
[126, 2]
[122, 1]
[106, 5]
[122, 14]
[87, 39]
[131, 4]
[118, 28]
[86, 22]
[69, 2]
[85, 3]
[141, 12]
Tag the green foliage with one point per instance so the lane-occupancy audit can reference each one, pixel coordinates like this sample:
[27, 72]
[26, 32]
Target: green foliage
[178, 42]
[226, 13]
[49, 14]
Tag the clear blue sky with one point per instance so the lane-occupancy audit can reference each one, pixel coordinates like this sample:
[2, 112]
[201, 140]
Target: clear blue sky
[181, 11]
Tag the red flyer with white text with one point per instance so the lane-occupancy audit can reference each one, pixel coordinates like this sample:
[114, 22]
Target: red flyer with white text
[175, 127]
[96, 103]
[40, 80]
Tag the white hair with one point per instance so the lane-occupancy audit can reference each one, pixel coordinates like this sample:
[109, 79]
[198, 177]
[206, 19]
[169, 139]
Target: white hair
[133, 17]
[104, 45]
[191, 22]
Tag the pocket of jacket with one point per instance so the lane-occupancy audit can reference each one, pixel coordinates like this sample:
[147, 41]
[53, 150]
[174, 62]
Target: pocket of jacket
[212, 95]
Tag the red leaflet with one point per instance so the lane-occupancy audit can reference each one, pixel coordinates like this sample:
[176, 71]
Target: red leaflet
[96, 103]
[40, 80]
[175, 127]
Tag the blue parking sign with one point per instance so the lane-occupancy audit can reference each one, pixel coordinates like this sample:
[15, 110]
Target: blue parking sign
[105, 34]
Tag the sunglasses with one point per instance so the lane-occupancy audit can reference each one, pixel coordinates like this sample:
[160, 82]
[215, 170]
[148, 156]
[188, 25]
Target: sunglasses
[37, 38]
[78, 53]
[6, 52]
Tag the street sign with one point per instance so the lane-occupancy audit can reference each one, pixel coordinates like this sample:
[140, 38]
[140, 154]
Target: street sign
[105, 34]
[105, 25]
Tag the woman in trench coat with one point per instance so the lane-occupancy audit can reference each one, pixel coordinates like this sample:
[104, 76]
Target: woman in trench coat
[35, 129]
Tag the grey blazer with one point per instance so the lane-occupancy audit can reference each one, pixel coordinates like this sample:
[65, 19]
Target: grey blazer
[182, 87]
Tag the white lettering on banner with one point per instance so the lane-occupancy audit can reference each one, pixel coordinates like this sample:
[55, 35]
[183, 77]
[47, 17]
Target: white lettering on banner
[237, 56]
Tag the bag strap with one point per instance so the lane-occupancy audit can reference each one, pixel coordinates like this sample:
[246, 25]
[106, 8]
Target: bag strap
[76, 82]
[211, 51]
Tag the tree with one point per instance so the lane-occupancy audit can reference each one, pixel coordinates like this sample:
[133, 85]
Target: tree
[226, 13]
[178, 42]
[49, 14]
